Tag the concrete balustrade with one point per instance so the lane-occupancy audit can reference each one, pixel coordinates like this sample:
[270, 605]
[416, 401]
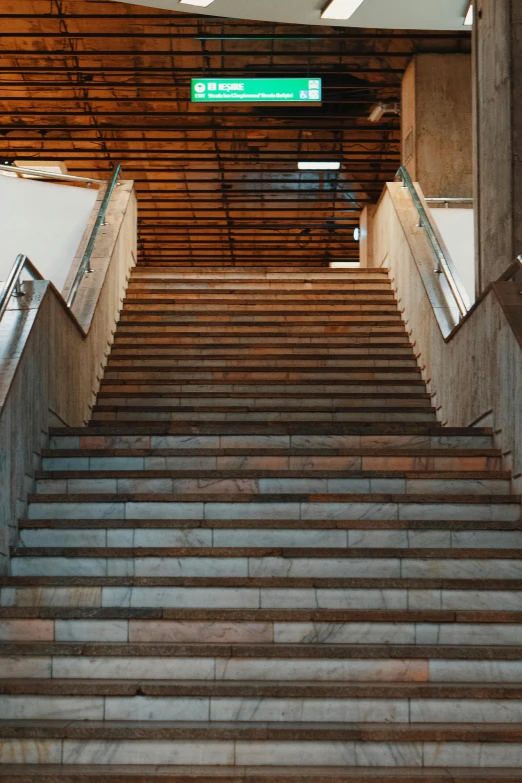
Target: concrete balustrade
[52, 359]
[473, 371]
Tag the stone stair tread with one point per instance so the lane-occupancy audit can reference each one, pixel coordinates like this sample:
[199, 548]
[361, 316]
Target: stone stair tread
[397, 451]
[360, 583]
[280, 473]
[262, 689]
[76, 773]
[276, 428]
[248, 651]
[282, 552]
[271, 524]
[333, 732]
[443, 616]
[259, 498]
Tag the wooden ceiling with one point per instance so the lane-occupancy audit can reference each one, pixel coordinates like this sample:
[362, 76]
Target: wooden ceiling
[99, 83]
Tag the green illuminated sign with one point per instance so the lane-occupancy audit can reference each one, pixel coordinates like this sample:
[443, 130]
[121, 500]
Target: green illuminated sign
[256, 90]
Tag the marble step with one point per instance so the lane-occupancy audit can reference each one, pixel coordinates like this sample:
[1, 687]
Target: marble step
[297, 702]
[272, 298]
[291, 332]
[213, 401]
[208, 536]
[275, 275]
[297, 390]
[273, 436]
[333, 322]
[264, 399]
[436, 460]
[272, 482]
[250, 596]
[259, 308]
[288, 342]
[355, 663]
[254, 352]
[262, 375]
[231, 284]
[258, 363]
[281, 270]
[243, 562]
[66, 773]
[223, 744]
[373, 415]
[205, 505]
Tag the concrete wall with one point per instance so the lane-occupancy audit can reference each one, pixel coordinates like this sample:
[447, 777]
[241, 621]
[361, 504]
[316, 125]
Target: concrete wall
[437, 124]
[45, 222]
[498, 135]
[457, 228]
[475, 372]
[51, 361]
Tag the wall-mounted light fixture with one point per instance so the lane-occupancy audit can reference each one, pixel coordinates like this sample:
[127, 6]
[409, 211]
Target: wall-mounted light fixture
[318, 165]
[470, 15]
[378, 111]
[341, 9]
[200, 3]
[357, 234]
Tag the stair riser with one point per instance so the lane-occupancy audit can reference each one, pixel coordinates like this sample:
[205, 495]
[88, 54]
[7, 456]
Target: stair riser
[262, 416]
[257, 273]
[250, 537]
[234, 669]
[171, 314]
[272, 510]
[239, 309]
[255, 598]
[329, 341]
[389, 567]
[277, 710]
[381, 442]
[255, 753]
[337, 288]
[237, 331]
[249, 389]
[274, 462]
[332, 403]
[124, 347]
[96, 485]
[298, 361]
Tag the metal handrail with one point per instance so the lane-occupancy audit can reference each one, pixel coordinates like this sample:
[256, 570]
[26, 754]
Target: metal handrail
[424, 221]
[13, 283]
[49, 174]
[85, 264]
[449, 200]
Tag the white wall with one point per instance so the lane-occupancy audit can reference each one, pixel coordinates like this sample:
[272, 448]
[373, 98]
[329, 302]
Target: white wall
[45, 221]
[458, 232]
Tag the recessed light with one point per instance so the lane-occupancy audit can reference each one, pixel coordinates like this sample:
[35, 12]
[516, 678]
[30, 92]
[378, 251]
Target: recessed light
[201, 3]
[320, 165]
[468, 21]
[341, 9]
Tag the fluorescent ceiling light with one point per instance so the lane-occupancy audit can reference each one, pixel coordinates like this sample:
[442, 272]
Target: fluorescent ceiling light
[320, 165]
[468, 21]
[201, 3]
[341, 9]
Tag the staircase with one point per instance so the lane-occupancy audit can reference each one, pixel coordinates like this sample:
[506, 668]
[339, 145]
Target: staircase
[264, 560]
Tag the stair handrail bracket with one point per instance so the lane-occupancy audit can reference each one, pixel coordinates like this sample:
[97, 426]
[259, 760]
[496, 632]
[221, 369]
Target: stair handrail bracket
[84, 267]
[443, 267]
[13, 284]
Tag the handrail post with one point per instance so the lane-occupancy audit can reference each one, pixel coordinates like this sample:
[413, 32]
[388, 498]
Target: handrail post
[12, 286]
